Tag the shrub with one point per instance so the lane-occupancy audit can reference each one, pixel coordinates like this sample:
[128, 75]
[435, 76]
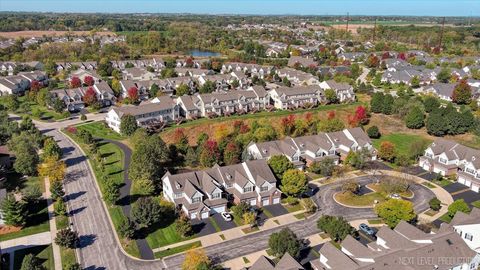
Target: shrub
[291, 200]
[435, 204]
[83, 117]
[373, 132]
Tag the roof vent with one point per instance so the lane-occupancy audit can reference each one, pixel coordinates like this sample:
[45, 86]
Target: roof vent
[229, 176]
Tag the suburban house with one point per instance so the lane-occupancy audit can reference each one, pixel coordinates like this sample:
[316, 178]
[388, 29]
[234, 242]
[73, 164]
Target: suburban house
[73, 97]
[35, 75]
[441, 90]
[297, 77]
[287, 262]
[305, 62]
[344, 91]
[81, 74]
[202, 193]
[251, 69]
[161, 111]
[305, 150]
[294, 97]
[468, 227]
[405, 247]
[141, 86]
[15, 84]
[450, 158]
[139, 74]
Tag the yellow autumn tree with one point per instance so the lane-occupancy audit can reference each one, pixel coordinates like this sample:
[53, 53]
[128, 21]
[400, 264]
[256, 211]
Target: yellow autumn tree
[221, 131]
[194, 258]
[52, 168]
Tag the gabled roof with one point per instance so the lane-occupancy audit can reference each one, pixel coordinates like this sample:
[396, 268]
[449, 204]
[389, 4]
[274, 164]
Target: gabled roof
[263, 263]
[461, 218]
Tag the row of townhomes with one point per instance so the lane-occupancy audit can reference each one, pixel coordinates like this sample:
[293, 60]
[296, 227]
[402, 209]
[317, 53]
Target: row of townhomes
[405, 247]
[255, 98]
[444, 91]
[447, 157]
[18, 84]
[73, 97]
[201, 193]
[304, 150]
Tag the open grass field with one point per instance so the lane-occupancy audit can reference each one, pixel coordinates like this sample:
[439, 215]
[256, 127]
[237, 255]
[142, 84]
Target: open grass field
[100, 130]
[44, 253]
[175, 250]
[402, 141]
[164, 236]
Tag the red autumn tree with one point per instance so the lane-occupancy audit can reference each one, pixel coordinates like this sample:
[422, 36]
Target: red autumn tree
[288, 124]
[75, 82]
[387, 151]
[35, 86]
[88, 80]
[210, 154]
[189, 62]
[240, 127]
[372, 61]
[132, 94]
[385, 55]
[90, 96]
[402, 56]
[309, 117]
[232, 154]
[462, 93]
[330, 115]
[360, 117]
[179, 136]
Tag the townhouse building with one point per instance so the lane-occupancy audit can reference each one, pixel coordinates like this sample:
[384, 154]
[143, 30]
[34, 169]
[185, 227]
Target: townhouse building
[284, 98]
[447, 157]
[297, 77]
[468, 227]
[344, 91]
[164, 109]
[287, 262]
[443, 91]
[199, 194]
[15, 84]
[302, 151]
[251, 69]
[73, 98]
[405, 247]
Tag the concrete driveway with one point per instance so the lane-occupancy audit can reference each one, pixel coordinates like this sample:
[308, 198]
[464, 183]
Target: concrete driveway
[455, 187]
[468, 196]
[276, 209]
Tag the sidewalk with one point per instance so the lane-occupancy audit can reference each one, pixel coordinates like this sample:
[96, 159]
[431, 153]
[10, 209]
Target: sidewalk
[53, 227]
[38, 239]
[215, 238]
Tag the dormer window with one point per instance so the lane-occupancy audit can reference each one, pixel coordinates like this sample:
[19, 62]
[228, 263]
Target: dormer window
[248, 189]
[229, 176]
[196, 199]
[177, 185]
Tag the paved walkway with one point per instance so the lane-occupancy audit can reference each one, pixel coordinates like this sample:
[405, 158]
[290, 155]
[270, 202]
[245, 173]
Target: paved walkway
[53, 227]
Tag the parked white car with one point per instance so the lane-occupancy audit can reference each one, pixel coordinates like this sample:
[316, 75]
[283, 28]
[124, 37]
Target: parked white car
[226, 216]
[395, 196]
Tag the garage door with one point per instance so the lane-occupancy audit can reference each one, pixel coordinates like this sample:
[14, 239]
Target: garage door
[461, 180]
[193, 215]
[468, 183]
[253, 202]
[426, 166]
[218, 209]
[276, 200]
[475, 188]
[265, 202]
[205, 215]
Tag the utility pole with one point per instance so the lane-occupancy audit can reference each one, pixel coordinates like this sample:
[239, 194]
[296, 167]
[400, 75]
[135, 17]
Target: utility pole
[374, 30]
[348, 17]
[441, 34]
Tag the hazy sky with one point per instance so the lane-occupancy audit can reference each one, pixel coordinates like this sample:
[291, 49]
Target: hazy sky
[309, 7]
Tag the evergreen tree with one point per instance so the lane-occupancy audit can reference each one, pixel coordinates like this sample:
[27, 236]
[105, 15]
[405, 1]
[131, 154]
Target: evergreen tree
[13, 211]
[128, 125]
[387, 106]
[376, 103]
[415, 118]
[31, 262]
[56, 189]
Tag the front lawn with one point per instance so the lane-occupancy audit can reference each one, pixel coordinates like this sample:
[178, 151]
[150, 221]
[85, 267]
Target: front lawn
[446, 218]
[44, 253]
[349, 199]
[476, 204]
[164, 236]
[379, 188]
[428, 185]
[444, 182]
[100, 130]
[37, 222]
[403, 142]
[175, 250]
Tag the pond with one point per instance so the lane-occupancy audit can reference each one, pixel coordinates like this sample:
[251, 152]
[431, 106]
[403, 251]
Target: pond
[200, 53]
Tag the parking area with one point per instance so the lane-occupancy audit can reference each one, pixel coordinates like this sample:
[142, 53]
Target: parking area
[203, 227]
[222, 223]
[455, 187]
[468, 196]
[420, 172]
[271, 211]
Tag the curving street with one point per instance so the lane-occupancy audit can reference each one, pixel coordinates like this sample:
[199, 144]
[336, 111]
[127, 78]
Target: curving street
[99, 247]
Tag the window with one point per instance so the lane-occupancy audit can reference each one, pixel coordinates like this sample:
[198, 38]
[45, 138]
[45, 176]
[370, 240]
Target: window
[264, 188]
[196, 200]
[442, 160]
[470, 170]
[468, 236]
[178, 195]
[248, 189]
[216, 195]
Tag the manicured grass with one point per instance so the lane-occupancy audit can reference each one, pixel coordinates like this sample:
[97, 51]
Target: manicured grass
[44, 253]
[375, 221]
[269, 252]
[402, 142]
[215, 225]
[267, 213]
[380, 188]
[245, 260]
[476, 204]
[68, 257]
[44, 113]
[300, 216]
[250, 229]
[292, 208]
[61, 221]
[100, 130]
[350, 199]
[175, 250]
[37, 222]
[431, 212]
[165, 236]
[16, 181]
[428, 185]
[443, 182]
[446, 218]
